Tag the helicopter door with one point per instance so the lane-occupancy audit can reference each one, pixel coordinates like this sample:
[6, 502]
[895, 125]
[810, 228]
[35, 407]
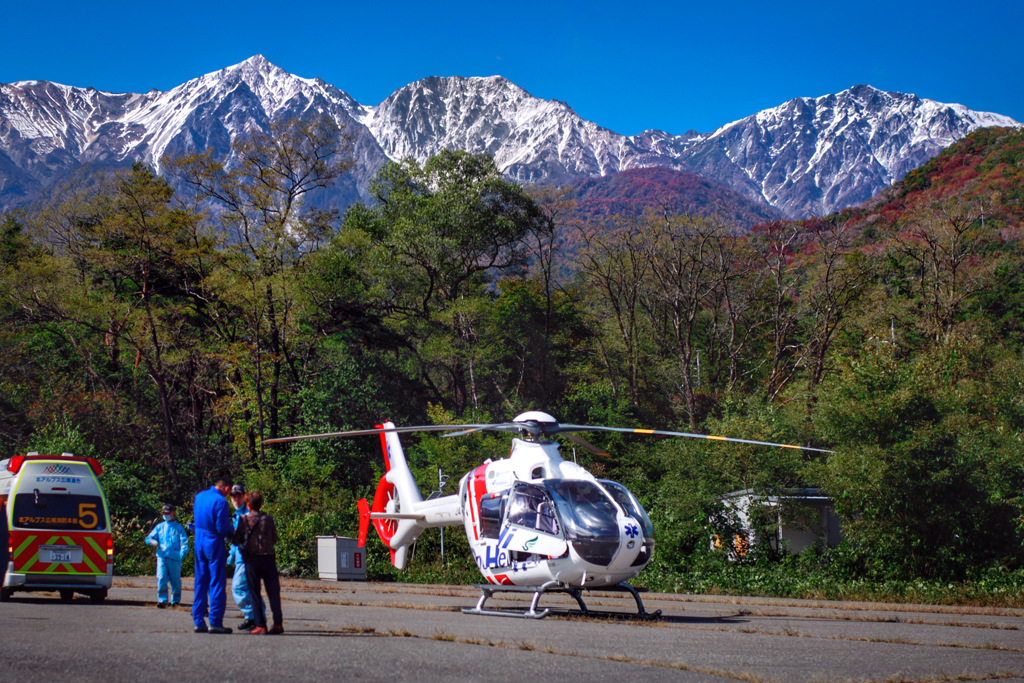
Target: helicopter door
[491, 507]
[532, 522]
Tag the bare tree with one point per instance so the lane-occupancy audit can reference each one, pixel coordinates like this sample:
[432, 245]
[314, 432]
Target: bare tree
[782, 282]
[945, 241]
[260, 204]
[681, 251]
[613, 261]
[839, 278]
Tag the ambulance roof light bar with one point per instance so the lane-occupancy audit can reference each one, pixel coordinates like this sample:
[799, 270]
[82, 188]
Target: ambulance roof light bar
[15, 463]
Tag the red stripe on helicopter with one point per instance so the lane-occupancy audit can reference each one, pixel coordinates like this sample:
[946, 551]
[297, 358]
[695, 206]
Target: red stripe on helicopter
[478, 489]
[384, 446]
[500, 580]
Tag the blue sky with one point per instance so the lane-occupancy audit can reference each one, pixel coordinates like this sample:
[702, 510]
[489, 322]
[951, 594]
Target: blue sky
[628, 66]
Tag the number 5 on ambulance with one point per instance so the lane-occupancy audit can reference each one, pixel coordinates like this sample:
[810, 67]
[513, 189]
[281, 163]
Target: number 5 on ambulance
[59, 526]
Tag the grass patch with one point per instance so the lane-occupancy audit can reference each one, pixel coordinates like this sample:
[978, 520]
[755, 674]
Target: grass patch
[815, 579]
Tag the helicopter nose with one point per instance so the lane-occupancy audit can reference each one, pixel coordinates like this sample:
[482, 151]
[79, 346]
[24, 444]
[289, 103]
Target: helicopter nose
[631, 541]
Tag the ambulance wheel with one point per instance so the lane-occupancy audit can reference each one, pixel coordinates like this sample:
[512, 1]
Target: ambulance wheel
[5, 594]
[67, 595]
[97, 597]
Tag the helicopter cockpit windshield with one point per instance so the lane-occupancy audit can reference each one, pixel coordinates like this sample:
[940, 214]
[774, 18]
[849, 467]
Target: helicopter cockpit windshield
[588, 518]
[628, 502]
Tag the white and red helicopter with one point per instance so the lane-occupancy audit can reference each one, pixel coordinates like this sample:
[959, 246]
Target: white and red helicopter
[535, 522]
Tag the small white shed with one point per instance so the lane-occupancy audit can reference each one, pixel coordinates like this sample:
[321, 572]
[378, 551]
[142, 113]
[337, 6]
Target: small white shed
[802, 517]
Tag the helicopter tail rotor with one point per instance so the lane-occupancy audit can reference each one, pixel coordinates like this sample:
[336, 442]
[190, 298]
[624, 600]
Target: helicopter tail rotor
[384, 519]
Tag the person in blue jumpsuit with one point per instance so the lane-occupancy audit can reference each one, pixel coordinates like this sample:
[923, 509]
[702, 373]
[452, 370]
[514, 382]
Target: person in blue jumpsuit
[171, 542]
[239, 585]
[213, 527]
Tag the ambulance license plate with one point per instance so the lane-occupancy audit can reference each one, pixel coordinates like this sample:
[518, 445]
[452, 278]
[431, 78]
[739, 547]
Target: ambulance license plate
[71, 554]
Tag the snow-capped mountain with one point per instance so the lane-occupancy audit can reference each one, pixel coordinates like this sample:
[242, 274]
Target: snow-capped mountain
[807, 156]
[531, 140]
[48, 130]
[812, 156]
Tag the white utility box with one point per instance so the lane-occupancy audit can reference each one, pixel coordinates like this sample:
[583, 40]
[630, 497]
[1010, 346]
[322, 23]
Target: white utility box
[339, 558]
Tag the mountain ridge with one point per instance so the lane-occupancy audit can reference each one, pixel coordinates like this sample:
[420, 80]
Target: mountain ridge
[808, 156]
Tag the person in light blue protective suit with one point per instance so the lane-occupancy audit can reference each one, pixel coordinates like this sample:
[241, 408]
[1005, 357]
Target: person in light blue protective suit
[213, 527]
[171, 542]
[239, 584]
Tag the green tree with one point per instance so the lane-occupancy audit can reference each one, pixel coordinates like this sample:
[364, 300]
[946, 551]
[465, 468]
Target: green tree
[928, 471]
[121, 283]
[18, 374]
[443, 234]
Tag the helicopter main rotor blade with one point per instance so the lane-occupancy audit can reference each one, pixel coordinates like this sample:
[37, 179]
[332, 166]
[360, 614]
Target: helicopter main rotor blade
[497, 427]
[371, 432]
[586, 444]
[536, 429]
[659, 432]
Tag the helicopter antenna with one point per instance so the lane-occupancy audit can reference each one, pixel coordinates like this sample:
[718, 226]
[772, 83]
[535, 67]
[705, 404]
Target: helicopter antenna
[442, 481]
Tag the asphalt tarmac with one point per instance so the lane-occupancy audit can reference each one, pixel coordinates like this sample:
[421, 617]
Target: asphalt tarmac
[400, 632]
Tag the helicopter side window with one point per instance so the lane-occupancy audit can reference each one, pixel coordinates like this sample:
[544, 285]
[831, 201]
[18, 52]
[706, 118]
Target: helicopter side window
[530, 507]
[490, 515]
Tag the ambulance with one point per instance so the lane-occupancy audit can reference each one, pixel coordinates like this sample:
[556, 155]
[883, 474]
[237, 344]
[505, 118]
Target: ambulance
[59, 524]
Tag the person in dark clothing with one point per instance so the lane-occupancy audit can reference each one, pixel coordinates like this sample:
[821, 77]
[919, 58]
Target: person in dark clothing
[256, 536]
[213, 526]
[239, 584]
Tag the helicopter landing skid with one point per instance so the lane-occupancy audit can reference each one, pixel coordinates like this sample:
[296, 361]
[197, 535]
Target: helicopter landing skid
[488, 590]
[624, 587]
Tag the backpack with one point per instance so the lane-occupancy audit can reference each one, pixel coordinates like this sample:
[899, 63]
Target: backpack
[252, 535]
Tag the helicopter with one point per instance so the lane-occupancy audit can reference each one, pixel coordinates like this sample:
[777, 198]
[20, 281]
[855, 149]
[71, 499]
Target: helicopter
[535, 522]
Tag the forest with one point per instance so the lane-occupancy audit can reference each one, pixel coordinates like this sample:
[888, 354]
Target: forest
[168, 324]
